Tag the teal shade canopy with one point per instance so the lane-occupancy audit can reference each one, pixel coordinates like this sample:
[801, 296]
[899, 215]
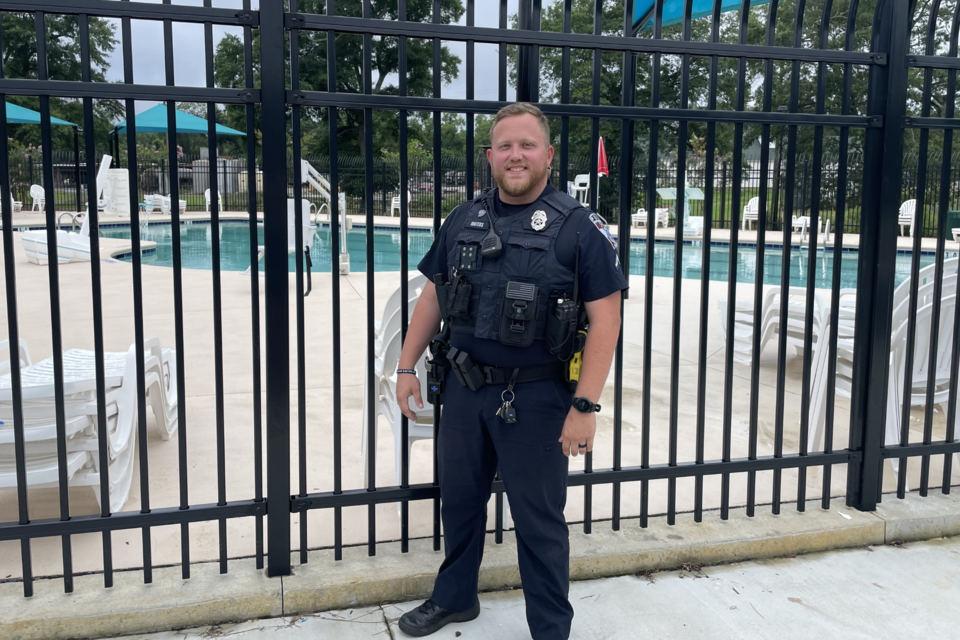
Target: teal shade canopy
[154, 120]
[643, 11]
[21, 115]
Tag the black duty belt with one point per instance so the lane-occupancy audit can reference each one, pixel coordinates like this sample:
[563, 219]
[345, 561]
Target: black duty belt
[475, 375]
[502, 375]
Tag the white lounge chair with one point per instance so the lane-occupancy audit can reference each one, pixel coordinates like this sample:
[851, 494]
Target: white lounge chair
[908, 215]
[206, 197]
[395, 204]
[71, 247]
[39, 197]
[82, 422]
[662, 219]
[165, 205]
[751, 213]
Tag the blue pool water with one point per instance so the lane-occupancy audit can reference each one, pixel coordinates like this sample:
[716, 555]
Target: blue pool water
[235, 255]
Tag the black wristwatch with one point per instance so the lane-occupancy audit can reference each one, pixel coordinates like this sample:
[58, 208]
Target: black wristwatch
[585, 406]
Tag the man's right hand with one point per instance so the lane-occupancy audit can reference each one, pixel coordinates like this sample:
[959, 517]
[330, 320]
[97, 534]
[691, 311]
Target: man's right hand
[408, 385]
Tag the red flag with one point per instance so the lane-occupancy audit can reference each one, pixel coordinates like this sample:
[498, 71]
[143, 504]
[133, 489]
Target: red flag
[602, 168]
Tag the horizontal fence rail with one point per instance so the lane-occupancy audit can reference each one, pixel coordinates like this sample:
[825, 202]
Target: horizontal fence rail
[811, 270]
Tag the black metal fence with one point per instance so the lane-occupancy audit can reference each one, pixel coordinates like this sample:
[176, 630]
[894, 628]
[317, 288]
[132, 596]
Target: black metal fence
[192, 173]
[846, 357]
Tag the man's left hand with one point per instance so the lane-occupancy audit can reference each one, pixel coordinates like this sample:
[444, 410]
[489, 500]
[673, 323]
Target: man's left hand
[578, 428]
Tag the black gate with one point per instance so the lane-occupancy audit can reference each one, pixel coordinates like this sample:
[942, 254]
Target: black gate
[854, 76]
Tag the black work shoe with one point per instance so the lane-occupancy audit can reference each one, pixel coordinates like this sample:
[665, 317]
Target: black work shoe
[429, 617]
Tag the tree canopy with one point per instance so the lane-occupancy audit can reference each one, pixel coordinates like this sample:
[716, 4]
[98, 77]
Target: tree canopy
[64, 63]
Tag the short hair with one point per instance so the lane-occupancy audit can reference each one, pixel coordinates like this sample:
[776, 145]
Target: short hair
[519, 109]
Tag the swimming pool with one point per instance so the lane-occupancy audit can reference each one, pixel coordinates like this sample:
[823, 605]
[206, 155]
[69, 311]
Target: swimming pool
[235, 255]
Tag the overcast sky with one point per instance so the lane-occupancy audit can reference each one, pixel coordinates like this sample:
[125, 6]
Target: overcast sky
[188, 48]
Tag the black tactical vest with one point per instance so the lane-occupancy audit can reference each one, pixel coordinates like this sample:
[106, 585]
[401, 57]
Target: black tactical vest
[528, 258]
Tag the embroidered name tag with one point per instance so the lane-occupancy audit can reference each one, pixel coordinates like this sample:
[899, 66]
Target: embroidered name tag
[477, 224]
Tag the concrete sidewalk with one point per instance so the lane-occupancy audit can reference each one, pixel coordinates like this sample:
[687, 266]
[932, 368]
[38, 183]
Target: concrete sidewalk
[905, 591]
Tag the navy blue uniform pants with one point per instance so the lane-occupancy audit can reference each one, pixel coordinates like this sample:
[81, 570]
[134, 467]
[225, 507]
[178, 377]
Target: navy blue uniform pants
[472, 442]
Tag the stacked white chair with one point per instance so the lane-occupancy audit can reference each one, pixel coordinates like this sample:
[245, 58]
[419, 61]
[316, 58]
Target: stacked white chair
[751, 213]
[82, 420]
[908, 215]
[39, 198]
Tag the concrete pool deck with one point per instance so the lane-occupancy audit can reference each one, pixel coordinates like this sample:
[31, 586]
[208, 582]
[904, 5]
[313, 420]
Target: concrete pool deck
[158, 320]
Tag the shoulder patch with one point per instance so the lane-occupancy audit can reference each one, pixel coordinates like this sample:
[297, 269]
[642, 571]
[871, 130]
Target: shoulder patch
[601, 226]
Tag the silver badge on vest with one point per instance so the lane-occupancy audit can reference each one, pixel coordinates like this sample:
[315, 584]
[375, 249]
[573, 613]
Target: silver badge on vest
[539, 220]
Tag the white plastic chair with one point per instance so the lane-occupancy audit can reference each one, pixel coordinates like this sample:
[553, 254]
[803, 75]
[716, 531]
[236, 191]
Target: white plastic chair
[908, 214]
[395, 204]
[415, 284]
[206, 197]
[39, 198]
[581, 188]
[751, 213]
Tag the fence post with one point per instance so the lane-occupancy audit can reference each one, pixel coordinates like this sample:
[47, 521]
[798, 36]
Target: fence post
[276, 285]
[883, 184]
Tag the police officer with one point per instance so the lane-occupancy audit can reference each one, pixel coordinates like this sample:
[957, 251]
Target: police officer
[508, 272]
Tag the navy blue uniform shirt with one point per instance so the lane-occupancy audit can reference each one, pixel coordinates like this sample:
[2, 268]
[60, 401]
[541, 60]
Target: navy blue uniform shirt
[600, 276]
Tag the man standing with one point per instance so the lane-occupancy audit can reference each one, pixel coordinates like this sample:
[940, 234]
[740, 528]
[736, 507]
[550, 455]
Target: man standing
[514, 275]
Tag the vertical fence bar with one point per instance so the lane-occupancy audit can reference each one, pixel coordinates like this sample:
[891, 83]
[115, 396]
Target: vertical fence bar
[624, 223]
[814, 228]
[273, 128]
[213, 174]
[917, 232]
[754, 428]
[13, 336]
[97, 296]
[405, 242]
[733, 262]
[371, 311]
[298, 261]
[565, 98]
[680, 213]
[883, 175]
[949, 179]
[332, 119]
[53, 279]
[940, 232]
[437, 199]
[252, 207]
[650, 234]
[784, 312]
[840, 227]
[594, 201]
[702, 354]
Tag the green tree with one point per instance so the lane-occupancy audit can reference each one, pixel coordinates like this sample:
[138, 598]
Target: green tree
[385, 60]
[64, 63]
